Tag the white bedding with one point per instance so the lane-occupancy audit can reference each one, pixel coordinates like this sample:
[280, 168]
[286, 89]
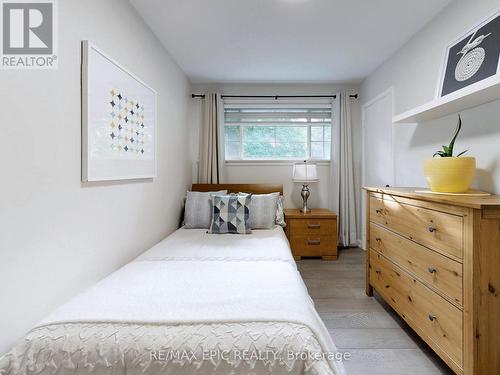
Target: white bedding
[196, 244]
[148, 306]
[193, 293]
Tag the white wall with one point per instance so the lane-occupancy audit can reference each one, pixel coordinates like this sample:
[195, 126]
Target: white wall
[413, 71]
[280, 173]
[58, 235]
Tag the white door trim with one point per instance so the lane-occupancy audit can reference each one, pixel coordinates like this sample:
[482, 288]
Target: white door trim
[383, 95]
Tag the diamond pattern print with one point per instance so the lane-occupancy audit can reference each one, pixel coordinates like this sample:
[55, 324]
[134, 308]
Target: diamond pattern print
[230, 214]
[128, 115]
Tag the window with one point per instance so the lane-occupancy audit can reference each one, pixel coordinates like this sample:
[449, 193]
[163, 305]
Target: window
[277, 131]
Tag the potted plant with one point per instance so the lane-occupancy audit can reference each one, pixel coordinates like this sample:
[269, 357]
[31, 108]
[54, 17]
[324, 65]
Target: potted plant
[446, 173]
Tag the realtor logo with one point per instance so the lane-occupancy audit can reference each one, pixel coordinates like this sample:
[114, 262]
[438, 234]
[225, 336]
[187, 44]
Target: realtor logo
[28, 34]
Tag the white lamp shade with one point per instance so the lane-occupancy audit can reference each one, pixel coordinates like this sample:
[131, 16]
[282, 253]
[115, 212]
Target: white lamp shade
[305, 173]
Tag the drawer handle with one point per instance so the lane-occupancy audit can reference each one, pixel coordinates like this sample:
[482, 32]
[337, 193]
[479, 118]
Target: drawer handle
[432, 270]
[432, 229]
[314, 226]
[378, 211]
[432, 317]
[378, 239]
[313, 242]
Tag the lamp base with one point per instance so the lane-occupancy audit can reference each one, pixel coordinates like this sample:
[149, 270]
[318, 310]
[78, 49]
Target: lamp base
[304, 193]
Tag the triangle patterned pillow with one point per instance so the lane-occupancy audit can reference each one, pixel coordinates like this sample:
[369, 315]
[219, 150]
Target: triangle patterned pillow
[230, 214]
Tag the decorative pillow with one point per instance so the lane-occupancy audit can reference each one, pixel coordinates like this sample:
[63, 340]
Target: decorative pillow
[263, 210]
[280, 211]
[230, 214]
[198, 209]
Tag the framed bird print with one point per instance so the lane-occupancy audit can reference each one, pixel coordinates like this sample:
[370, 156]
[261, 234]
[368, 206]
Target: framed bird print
[472, 57]
[118, 120]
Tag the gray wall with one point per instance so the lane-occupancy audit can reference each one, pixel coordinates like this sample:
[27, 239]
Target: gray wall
[58, 236]
[413, 71]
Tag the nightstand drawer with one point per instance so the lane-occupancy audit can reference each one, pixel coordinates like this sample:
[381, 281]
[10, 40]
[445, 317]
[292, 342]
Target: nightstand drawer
[313, 226]
[313, 234]
[314, 245]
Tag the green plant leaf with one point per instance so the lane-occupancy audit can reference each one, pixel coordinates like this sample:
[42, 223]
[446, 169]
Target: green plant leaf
[452, 143]
[463, 152]
[448, 150]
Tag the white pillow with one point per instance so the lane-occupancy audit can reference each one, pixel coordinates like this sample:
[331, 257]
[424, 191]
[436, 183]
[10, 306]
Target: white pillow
[198, 209]
[263, 209]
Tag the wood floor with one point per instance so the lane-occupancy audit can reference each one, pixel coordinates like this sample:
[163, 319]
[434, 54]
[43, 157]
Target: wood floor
[377, 339]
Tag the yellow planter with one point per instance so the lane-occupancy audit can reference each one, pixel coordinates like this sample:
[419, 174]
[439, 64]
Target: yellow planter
[450, 175]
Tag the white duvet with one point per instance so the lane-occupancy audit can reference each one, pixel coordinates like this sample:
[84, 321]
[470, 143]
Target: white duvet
[196, 303]
[167, 317]
[197, 244]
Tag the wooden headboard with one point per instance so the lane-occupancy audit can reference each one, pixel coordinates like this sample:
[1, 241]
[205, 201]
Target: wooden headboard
[245, 188]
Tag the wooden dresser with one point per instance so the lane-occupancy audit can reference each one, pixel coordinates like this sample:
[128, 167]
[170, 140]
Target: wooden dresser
[436, 260]
[313, 234]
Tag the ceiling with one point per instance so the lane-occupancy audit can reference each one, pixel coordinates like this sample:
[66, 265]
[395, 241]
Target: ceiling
[284, 40]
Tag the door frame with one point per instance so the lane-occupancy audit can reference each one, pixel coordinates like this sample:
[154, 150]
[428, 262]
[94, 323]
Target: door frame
[364, 107]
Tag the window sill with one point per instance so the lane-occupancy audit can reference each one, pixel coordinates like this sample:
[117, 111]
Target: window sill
[232, 163]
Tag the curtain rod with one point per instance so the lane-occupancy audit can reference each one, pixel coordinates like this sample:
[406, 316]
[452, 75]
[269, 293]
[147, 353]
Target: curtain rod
[276, 97]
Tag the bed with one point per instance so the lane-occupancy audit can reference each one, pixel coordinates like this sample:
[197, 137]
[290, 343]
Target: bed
[197, 244]
[208, 312]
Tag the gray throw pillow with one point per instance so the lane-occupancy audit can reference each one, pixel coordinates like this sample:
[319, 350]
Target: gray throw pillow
[198, 209]
[230, 214]
[263, 209]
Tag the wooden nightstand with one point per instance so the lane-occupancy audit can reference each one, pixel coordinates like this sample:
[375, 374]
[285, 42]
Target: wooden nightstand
[313, 234]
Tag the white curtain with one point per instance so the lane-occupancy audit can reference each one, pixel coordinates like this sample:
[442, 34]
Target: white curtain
[210, 158]
[342, 189]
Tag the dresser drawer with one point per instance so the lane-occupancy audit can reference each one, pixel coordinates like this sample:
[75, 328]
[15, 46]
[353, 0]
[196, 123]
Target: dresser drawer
[314, 245]
[436, 320]
[440, 231]
[433, 269]
[313, 226]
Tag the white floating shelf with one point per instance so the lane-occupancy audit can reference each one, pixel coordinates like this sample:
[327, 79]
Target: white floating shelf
[481, 92]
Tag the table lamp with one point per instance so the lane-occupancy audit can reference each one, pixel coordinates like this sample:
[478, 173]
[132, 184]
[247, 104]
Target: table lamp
[305, 173]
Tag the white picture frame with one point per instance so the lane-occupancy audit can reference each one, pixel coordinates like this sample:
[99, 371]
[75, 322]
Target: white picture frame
[468, 36]
[119, 120]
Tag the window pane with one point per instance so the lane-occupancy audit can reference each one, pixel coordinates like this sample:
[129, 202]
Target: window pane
[316, 133]
[260, 150]
[317, 150]
[270, 142]
[270, 150]
[328, 133]
[327, 147]
[232, 150]
[289, 150]
[291, 134]
[258, 134]
[232, 133]
[277, 132]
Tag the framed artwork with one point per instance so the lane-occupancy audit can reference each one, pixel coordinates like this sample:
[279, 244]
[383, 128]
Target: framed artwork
[118, 120]
[472, 57]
